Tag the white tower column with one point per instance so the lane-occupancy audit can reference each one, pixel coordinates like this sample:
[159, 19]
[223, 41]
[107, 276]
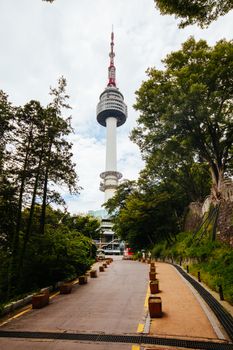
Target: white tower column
[111, 152]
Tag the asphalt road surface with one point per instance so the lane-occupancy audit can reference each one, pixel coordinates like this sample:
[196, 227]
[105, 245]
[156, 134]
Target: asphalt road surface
[113, 303]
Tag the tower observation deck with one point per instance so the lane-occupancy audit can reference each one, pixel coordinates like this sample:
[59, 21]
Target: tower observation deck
[111, 113]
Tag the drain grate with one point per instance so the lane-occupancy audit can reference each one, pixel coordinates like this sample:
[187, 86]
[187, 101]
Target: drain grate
[129, 339]
[223, 316]
[114, 338]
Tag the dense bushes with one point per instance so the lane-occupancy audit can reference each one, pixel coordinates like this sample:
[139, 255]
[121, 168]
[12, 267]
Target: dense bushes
[214, 260]
[61, 253]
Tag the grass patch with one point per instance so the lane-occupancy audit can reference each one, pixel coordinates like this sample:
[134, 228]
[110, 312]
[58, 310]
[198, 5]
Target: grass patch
[214, 260]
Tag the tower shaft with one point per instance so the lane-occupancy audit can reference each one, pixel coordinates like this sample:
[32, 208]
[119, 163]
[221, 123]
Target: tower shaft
[111, 113]
[111, 148]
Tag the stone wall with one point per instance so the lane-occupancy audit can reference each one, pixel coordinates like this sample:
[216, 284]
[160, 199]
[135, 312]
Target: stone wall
[225, 222]
[193, 216]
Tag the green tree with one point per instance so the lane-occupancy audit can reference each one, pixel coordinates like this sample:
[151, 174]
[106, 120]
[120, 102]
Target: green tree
[190, 102]
[53, 162]
[57, 165]
[7, 190]
[146, 218]
[117, 202]
[6, 125]
[175, 169]
[86, 224]
[40, 159]
[22, 169]
[194, 11]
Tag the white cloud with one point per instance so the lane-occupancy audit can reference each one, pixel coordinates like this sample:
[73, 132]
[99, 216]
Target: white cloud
[42, 41]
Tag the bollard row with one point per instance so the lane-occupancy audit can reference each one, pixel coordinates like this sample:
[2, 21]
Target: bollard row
[154, 302]
[42, 299]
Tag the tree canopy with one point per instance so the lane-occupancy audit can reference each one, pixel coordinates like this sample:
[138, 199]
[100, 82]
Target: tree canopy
[190, 103]
[194, 11]
[39, 245]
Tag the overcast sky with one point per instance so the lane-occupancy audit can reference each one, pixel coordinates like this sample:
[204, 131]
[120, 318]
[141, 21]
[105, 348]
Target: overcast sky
[42, 41]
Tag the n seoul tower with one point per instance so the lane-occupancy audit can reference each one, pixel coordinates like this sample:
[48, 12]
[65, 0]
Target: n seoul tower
[111, 113]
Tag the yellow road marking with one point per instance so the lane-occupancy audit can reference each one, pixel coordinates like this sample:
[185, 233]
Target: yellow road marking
[135, 347]
[147, 297]
[16, 316]
[76, 281]
[140, 328]
[54, 295]
[24, 311]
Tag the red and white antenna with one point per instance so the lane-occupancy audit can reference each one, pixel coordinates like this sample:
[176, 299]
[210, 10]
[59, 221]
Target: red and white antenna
[112, 68]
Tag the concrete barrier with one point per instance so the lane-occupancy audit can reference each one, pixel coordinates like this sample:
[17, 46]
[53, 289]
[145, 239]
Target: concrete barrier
[154, 287]
[82, 279]
[155, 306]
[66, 288]
[93, 273]
[40, 300]
[152, 276]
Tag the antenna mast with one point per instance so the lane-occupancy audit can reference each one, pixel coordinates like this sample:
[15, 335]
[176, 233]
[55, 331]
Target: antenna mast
[112, 68]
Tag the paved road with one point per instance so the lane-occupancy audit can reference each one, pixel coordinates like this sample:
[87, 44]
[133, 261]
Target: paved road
[113, 303]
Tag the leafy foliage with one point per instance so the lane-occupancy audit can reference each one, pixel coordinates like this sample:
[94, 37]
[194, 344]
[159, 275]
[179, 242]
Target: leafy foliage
[214, 260]
[142, 218]
[61, 253]
[189, 104]
[118, 202]
[37, 246]
[58, 255]
[88, 225]
[195, 11]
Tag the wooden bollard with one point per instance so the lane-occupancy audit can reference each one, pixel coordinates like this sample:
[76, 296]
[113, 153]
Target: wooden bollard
[40, 300]
[152, 269]
[152, 276]
[93, 273]
[152, 264]
[155, 306]
[105, 265]
[82, 279]
[154, 287]
[108, 262]
[101, 269]
[199, 276]
[66, 288]
[148, 261]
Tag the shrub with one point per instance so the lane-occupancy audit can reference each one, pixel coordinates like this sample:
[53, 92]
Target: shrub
[214, 260]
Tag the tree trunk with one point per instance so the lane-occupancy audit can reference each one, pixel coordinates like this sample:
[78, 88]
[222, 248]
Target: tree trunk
[215, 223]
[45, 189]
[20, 202]
[30, 219]
[15, 241]
[217, 174]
